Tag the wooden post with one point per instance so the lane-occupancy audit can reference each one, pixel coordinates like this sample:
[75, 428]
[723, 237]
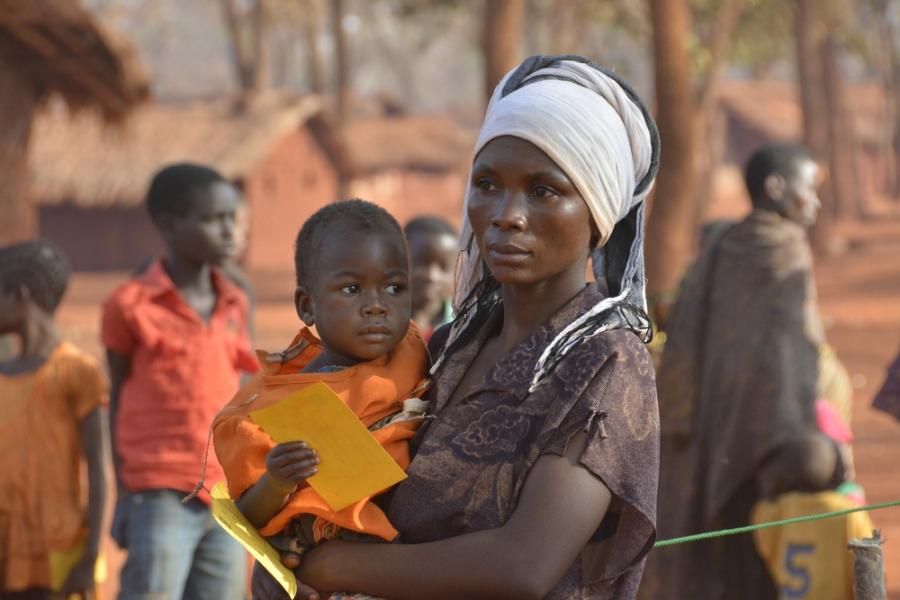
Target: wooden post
[342, 63]
[501, 40]
[868, 568]
[809, 35]
[671, 221]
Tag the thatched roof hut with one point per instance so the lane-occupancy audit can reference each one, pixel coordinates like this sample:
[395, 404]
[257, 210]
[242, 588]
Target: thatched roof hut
[430, 143]
[113, 165]
[90, 179]
[281, 150]
[411, 164]
[54, 48]
[58, 48]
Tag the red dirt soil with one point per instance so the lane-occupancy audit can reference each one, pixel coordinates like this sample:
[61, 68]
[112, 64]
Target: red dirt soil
[859, 298]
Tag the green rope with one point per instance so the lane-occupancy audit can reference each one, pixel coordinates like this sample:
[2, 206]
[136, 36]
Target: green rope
[748, 528]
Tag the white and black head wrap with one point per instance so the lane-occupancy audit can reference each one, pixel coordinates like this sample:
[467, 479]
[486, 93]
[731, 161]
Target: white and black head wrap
[598, 131]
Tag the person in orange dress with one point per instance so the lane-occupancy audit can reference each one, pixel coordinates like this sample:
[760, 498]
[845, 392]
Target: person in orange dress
[357, 296]
[51, 421]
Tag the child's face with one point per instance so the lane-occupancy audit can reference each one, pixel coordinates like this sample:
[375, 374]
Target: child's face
[206, 233]
[358, 297]
[433, 258]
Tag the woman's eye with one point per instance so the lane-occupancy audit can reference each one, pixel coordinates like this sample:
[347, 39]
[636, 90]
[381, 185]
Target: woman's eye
[350, 289]
[544, 192]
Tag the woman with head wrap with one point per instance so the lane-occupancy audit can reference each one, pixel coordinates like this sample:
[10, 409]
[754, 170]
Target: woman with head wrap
[536, 476]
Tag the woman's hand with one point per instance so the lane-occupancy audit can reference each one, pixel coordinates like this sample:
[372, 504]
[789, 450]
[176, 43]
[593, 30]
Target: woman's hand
[264, 587]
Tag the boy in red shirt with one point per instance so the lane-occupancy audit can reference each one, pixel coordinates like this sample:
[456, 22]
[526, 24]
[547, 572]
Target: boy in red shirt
[177, 342]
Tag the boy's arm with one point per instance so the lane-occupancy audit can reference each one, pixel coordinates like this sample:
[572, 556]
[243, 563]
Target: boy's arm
[287, 466]
[119, 369]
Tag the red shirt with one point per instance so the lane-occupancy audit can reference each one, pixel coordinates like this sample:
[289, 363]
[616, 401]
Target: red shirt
[183, 371]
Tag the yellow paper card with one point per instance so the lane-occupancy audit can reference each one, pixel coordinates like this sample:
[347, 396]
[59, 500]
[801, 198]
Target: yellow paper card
[353, 465]
[238, 527]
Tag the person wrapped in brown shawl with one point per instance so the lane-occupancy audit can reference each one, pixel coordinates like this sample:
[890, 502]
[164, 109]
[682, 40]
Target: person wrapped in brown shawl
[888, 397]
[737, 381]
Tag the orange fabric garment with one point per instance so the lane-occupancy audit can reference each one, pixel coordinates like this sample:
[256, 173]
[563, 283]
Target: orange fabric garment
[373, 390]
[42, 504]
[183, 370]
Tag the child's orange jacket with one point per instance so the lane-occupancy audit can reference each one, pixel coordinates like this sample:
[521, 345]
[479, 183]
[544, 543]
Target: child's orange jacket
[373, 390]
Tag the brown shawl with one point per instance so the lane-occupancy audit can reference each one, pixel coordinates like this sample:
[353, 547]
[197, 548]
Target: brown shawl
[888, 397]
[737, 378]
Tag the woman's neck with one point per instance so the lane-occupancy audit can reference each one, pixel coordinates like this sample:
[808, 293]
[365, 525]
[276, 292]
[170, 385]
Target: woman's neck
[525, 308]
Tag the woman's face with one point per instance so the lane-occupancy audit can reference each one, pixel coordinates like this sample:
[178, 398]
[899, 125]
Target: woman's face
[531, 224]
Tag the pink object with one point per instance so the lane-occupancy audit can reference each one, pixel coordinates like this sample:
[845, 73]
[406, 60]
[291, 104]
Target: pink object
[831, 424]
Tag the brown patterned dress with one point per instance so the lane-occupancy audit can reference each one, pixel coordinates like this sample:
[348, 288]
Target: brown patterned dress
[473, 457]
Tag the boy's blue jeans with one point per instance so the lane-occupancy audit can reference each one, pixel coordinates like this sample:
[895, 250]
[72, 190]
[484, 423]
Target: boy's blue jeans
[175, 550]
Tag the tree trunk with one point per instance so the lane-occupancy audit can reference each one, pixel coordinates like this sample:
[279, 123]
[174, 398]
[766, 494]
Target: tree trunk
[842, 144]
[341, 63]
[18, 213]
[502, 39]
[310, 39]
[890, 74]
[809, 33]
[259, 59]
[249, 47]
[709, 150]
[670, 227]
[236, 43]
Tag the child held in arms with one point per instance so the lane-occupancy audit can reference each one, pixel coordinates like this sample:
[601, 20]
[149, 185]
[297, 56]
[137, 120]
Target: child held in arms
[52, 421]
[352, 273]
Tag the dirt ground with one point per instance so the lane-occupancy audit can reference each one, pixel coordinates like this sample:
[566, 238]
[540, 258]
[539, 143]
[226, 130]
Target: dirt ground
[860, 302]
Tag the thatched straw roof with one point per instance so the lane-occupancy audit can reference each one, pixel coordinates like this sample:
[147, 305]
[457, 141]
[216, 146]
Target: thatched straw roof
[423, 142]
[61, 49]
[774, 107]
[77, 158]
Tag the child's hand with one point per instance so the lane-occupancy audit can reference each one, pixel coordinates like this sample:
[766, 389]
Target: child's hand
[290, 464]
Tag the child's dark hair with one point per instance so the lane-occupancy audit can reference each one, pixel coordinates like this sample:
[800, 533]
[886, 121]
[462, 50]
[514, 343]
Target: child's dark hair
[773, 158]
[172, 187]
[38, 265]
[356, 215]
[429, 225]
